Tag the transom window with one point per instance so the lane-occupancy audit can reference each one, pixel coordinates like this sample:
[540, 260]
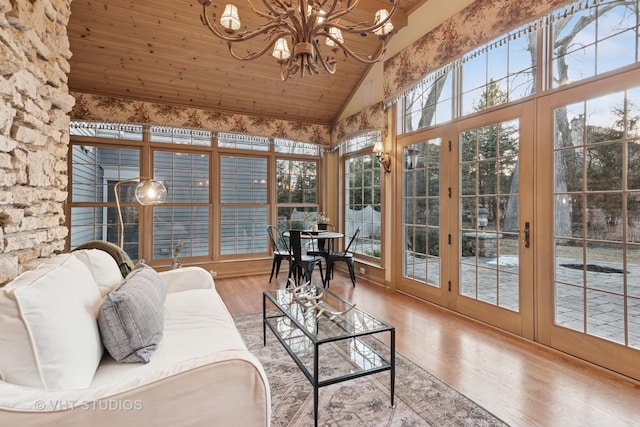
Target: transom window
[588, 41]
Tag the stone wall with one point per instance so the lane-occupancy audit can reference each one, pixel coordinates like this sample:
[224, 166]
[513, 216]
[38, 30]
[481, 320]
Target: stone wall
[34, 122]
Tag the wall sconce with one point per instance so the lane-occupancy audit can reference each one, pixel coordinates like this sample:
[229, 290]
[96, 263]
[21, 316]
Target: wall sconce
[411, 157]
[148, 192]
[383, 157]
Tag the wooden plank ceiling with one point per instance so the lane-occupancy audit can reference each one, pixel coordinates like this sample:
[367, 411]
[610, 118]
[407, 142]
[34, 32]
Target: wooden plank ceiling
[159, 51]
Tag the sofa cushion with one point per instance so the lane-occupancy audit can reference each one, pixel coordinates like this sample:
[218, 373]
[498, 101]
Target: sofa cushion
[49, 327]
[104, 268]
[131, 317]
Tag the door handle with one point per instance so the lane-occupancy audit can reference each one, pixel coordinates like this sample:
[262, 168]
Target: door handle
[527, 235]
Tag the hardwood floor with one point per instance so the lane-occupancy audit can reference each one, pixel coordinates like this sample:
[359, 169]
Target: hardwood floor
[523, 383]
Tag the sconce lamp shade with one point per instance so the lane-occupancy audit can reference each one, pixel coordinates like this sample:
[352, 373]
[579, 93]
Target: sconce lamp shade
[383, 158]
[148, 192]
[378, 148]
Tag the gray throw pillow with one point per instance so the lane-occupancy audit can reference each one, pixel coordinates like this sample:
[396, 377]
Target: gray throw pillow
[131, 318]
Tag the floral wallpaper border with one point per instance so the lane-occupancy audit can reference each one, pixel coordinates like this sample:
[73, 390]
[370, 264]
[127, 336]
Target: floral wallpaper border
[478, 23]
[92, 107]
[371, 118]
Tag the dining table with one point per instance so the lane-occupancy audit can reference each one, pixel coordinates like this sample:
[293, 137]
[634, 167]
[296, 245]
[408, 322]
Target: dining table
[329, 236]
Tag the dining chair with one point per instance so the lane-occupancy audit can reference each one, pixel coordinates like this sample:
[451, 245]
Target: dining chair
[344, 256]
[301, 266]
[280, 249]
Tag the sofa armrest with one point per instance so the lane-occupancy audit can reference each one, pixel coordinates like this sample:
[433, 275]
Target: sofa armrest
[227, 389]
[186, 278]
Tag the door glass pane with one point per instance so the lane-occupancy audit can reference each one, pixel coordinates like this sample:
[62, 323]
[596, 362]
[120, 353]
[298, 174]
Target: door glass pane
[489, 214]
[595, 216]
[421, 216]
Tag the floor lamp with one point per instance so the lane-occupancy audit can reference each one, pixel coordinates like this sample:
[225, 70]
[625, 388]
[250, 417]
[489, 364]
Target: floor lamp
[148, 192]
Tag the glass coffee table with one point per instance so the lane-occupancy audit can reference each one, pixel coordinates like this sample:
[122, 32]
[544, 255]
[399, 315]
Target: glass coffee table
[330, 339]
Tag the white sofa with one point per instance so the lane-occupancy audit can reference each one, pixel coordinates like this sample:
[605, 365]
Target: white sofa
[55, 371]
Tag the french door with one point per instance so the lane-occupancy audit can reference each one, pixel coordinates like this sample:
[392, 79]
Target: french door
[589, 177]
[468, 215]
[539, 237]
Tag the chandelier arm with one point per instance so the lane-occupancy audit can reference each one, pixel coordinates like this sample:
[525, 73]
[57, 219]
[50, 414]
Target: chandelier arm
[363, 27]
[331, 9]
[274, 12]
[357, 56]
[246, 35]
[330, 64]
[351, 5]
[258, 54]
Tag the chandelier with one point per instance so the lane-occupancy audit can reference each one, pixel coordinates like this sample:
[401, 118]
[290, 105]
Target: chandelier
[308, 26]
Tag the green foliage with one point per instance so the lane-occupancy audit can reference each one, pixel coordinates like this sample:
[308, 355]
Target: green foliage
[373, 253]
[467, 244]
[420, 244]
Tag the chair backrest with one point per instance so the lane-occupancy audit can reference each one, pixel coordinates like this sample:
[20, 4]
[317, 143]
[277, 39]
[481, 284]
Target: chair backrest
[353, 239]
[277, 241]
[295, 243]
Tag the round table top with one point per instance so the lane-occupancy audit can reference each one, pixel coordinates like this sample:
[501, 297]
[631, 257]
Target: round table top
[320, 234]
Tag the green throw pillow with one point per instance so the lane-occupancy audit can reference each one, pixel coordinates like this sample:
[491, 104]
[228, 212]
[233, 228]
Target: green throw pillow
[121, 257]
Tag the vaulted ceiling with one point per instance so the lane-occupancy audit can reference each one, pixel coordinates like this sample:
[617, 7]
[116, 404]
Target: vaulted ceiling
[160, 51]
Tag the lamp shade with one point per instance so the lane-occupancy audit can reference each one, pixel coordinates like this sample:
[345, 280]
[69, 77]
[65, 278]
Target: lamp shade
[230, 19]
[150, 192]
[281, 50]
[378, 148]
[381, 15]
[337, 34]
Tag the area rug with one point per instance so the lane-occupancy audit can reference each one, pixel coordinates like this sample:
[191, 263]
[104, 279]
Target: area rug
[420, 398]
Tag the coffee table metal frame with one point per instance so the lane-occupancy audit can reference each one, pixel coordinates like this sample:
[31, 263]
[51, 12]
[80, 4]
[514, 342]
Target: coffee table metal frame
[311, 327]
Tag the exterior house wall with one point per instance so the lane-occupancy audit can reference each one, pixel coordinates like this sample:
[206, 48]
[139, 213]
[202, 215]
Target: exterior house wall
[34, 123]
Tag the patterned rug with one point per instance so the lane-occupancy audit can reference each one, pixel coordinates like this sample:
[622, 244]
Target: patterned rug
[420, 398]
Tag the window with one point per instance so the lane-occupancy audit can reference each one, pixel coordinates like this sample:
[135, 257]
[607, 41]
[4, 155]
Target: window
[588, 41]
[243, 142]
[430, 105]
[107, 130]
[186, 176]
[243, 199]
[297, 195]
[594, 40]
[95, 170]
[363, 199]
[103, 154]
[506, 66]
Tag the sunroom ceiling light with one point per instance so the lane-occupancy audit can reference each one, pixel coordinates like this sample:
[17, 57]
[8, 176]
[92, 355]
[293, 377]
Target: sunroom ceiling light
[304, 24]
